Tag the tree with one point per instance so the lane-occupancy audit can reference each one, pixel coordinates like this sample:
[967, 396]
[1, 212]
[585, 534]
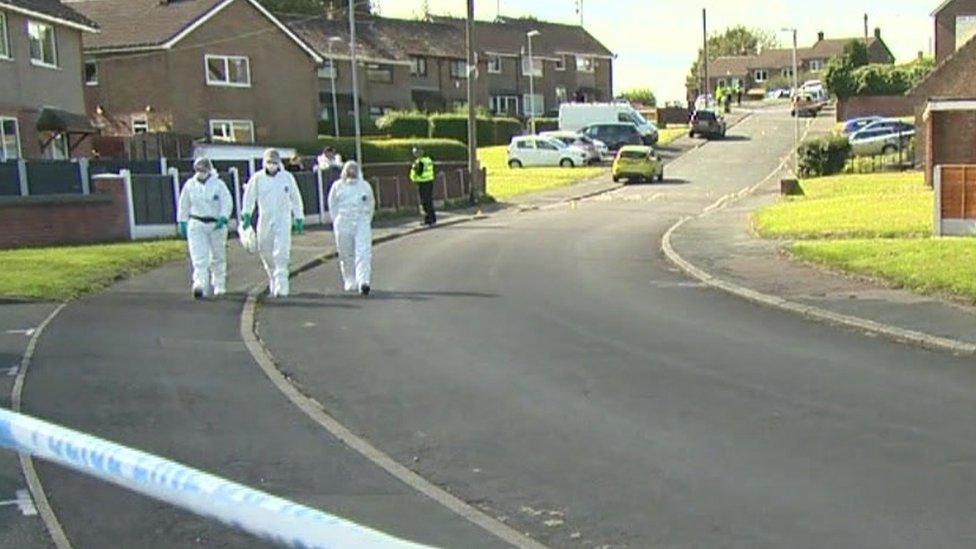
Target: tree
[839, 78]
[738, 40]
[332, 8]
[856, 54]
[644, 96]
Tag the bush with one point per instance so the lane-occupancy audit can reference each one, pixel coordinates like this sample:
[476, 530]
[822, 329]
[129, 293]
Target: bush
[545, 124]
[823, 156]
[386, 150]
[455, 126]
[404, 124]
[505, 129]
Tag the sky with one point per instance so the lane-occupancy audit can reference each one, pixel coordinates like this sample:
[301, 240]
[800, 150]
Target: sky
[657, 40]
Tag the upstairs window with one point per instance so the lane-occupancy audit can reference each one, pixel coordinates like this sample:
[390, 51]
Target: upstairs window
[561, 63]
[816, 65]
[43, 44]
[4, 38]
[761, 75]
[382, 74]
[418, 66]
[91, 72]
[232, 71]
[140, 124]
[328, 70]
[537, 66]
[495, 64]
[459, 68]
[585, 64]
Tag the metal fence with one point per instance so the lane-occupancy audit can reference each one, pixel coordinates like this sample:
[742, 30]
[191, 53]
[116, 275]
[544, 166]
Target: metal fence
[895, 158]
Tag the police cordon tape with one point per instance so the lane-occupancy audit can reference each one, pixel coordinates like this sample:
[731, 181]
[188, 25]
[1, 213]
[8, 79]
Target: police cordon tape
[263, 515]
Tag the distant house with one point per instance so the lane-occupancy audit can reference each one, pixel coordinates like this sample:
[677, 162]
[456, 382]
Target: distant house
[945, 102]
[42, 110]
[422, 64]
[222, 70]
[757, 71]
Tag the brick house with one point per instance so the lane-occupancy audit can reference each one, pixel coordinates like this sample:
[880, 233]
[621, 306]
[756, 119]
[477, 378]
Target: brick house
[422, 64]
[41, 99]
[756, 71]
[225, 70]
[945, 102]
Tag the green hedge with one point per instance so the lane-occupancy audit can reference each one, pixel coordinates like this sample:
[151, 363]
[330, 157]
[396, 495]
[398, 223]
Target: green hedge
[386, 150]
[367, 126]
[405, 124]
[455, 126]
[546, 124]
[823, 156]
[504, 130]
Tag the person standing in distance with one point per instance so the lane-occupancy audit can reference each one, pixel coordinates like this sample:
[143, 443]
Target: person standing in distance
[351, 207]
[204, 207]
[422, 174]
[280, 212]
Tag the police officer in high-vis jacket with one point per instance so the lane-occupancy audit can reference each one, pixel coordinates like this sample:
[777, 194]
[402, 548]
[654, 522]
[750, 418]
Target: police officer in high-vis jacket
[422, 174]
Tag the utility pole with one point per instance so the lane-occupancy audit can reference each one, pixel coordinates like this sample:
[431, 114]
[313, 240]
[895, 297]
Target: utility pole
[795, 97]
[579, 10]
[355, 81]
[865, 29]
[705, 51]
[472, 119]
[332, 66]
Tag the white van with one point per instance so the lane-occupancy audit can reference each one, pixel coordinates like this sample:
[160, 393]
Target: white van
[575, 116]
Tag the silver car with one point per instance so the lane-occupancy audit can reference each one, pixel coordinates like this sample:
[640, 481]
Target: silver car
[594, 149]
[882, 137]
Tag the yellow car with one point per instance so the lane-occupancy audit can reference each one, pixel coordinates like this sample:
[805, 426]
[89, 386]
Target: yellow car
[636, 163]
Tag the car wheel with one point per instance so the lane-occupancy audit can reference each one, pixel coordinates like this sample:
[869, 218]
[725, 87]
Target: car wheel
[566, 163]
[514, 163]
[691, 134]
[616, 179]
[660, 177]
[889, 149]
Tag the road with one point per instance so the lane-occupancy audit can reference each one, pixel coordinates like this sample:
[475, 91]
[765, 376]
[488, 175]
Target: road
[554, 370]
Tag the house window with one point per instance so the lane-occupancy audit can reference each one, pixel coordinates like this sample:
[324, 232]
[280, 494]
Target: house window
[761, 75]
[57, 149]
[91, 72]
[504, 104]
[537, 66]
[43, 44]
[495, 64]
[736, 83]
[232, 71]
[585, 64]
[232, 131]
[381, 74]
[965, 29]
[785, 73]
[720, 83]
[459, 68]
[561, 63]
[561, 94]
[418, 66]
[816, 65]
[4, 38]
[534, 104]
[140, 124]
[9, 139]
[328, 70]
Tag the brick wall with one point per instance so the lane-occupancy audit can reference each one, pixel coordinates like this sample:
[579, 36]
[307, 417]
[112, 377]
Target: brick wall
[66, 219]
[953, 137]
[895, 106]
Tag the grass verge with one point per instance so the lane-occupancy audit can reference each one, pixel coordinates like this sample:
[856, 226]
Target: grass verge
[67, 272]
[925, 265]
[668, 135]
[852, 206]
[505, 182]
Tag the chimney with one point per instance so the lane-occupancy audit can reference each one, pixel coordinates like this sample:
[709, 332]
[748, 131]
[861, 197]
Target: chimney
[921, 55]
[820, 36]
[865, 28]
[877, 32]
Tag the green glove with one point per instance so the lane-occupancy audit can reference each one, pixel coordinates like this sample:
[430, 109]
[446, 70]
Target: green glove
[221, 223]
[298, 227]
[246, 220]
[182, 229]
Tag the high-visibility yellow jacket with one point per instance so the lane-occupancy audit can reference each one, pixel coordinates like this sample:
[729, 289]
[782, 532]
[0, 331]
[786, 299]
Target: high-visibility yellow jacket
[422, 170]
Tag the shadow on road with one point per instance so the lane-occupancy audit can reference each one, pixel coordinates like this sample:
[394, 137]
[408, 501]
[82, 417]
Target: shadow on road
[736, 138]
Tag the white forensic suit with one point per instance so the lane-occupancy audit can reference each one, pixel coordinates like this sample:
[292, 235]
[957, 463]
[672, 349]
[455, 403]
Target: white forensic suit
[279, 205]
[351, 207]
[201, 205]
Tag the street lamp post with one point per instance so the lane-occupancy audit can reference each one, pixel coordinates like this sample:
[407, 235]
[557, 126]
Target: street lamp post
[796, 118]
[335, 103]
[355, 80]
[531, 34]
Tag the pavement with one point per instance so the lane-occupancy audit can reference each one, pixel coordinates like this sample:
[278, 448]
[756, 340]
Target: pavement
[553, 369]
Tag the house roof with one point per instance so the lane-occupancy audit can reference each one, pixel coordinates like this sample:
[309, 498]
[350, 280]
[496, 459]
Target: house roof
[156, 24]
[507, 35]
[51, 10]
[736, 65]
[942, 6]
[967, 51]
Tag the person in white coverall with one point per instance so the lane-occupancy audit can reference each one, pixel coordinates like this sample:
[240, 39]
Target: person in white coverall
[204, 207]
[280, 212]
[351, 207]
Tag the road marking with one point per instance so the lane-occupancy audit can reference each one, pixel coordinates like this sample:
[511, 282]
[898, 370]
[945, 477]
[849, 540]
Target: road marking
[23, 502]
[40, 501]
[26, 332]
[12, 371]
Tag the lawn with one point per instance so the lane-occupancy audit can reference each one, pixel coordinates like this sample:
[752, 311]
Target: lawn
[67, 272]
[852, 206]
[505, 182]
[668, 135]
[927, 265]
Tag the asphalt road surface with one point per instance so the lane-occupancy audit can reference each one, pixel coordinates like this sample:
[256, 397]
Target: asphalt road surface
[554, 370]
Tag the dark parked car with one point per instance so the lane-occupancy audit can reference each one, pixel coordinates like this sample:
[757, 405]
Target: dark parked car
[708, 124]
[615, 135]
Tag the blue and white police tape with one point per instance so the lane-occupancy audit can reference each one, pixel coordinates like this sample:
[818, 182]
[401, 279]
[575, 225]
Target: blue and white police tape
[261, 514]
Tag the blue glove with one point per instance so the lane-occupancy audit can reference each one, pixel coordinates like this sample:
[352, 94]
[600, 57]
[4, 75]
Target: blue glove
[182, 229]
[246, 221]
[221, 223]
[298, 226]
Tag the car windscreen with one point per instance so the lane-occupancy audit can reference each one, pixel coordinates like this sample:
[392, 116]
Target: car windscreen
[633, 155]
[705, 115]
